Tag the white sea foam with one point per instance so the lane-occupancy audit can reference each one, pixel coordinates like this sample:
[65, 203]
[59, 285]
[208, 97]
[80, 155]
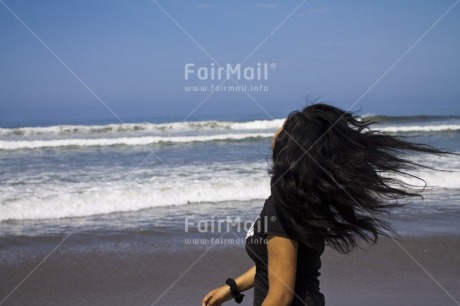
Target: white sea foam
[141, 134]
[57, 202]
[16, 144]
[446, 175]
[142, 127]
[191, 126]
[60, 200]
[420, 128]
[434, 179]
[127, 141]
[257, 124]
[92, 192]
[42, 191]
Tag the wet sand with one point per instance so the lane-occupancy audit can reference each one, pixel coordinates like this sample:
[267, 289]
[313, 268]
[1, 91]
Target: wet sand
[127, 274]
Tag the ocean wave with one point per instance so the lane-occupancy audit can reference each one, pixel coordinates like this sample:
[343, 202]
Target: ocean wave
[124, 197]
[141, 134]
[142, 127]
[420, 128]
[150, 140]
[402, 124]
[123, 141]
[56, 202]
[96, 191]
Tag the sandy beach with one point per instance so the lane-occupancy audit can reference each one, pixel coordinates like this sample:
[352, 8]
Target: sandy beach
[133, 272]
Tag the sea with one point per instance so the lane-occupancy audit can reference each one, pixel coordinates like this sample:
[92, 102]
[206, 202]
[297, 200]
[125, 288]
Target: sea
[168, 176]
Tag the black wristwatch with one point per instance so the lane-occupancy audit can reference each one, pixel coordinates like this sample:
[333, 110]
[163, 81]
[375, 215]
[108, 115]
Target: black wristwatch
[234, 290]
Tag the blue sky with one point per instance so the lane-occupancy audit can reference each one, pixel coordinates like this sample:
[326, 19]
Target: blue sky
[131, 54]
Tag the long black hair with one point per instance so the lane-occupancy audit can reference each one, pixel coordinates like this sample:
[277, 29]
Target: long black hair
[332, 176]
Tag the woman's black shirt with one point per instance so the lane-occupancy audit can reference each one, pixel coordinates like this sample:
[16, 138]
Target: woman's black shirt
[308, 259]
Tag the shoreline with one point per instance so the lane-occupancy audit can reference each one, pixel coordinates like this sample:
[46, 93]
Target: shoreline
[139, 273]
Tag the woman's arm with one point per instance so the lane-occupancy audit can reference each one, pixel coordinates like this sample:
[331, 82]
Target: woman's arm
[222, 294]
[282, 265]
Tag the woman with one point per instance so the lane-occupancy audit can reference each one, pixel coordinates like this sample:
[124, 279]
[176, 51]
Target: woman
[331, 175]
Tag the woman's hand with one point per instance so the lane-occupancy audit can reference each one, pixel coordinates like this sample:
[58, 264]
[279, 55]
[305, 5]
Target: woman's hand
[222, 294]
[217, 296]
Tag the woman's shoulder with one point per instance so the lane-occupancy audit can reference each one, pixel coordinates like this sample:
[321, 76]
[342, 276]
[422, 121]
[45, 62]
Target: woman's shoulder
[273, 221]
